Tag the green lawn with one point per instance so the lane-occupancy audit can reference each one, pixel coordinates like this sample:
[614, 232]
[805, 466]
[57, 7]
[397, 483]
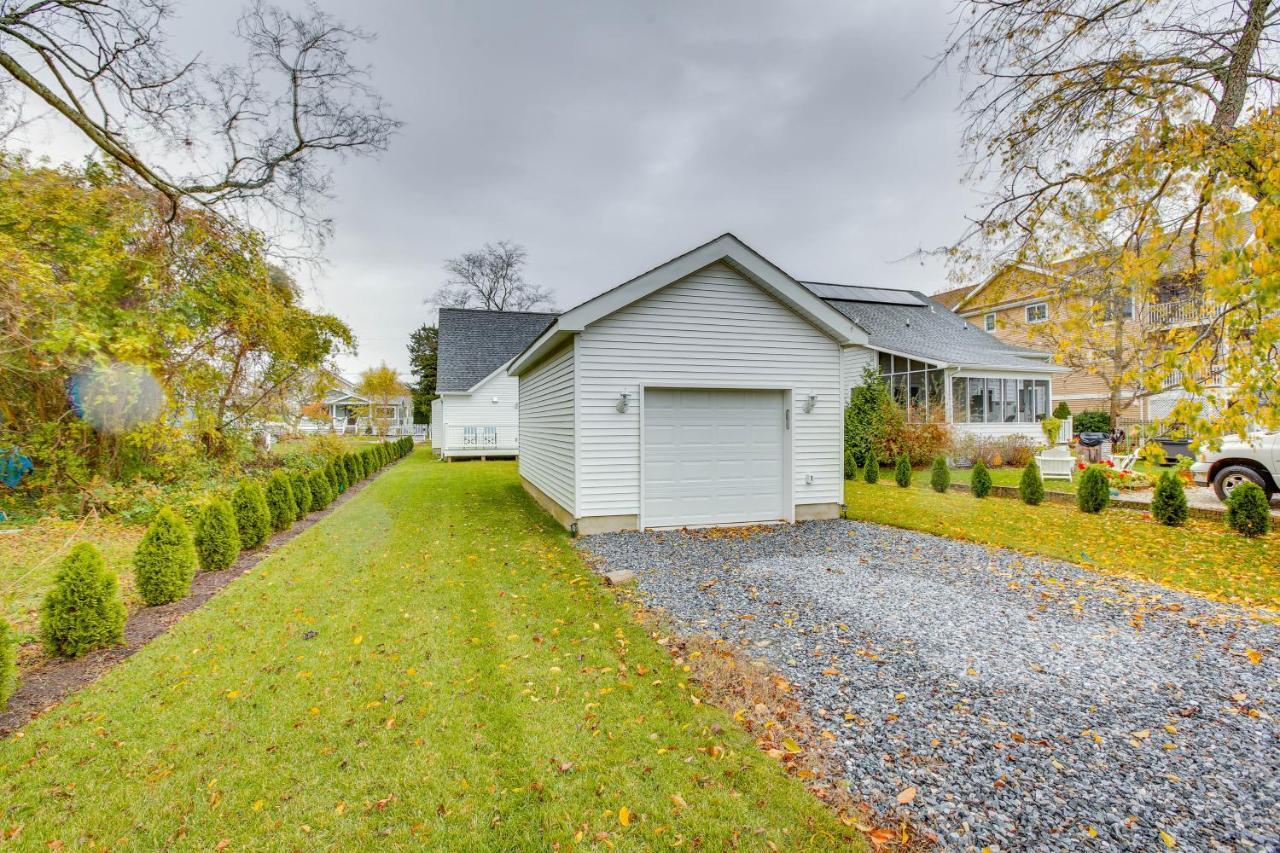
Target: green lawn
[469, 685]
[1202, 556]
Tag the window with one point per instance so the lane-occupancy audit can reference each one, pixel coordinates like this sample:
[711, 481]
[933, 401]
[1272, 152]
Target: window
[917, 386]
[1037, 312]
[989, 322]
[1126, 310]
[999, 401]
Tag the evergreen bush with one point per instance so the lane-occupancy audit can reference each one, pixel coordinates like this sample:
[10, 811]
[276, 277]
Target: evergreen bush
[1062, 411]
[1031, 487]
[864, 417]
[1094, 492]
[850, 464]
[8, 663]
[300, 485]
[321, 495]
[940, 477]
[352, 469]
[165, 560]
[336, 484]
[280, 500]
[83, 610]
[1169, 503]
[216, 538]
[871, 469]
[980, 481]
[1093, 421]
[253, 518]
[1248, 511]
[902, 471]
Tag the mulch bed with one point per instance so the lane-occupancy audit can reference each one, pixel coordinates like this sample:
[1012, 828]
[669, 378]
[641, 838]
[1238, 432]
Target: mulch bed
[52, 679]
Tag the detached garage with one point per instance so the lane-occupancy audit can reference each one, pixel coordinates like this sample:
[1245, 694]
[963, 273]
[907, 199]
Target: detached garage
[707, 391]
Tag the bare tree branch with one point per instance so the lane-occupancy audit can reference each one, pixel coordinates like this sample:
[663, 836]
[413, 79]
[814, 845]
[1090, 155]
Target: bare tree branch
[491, 278]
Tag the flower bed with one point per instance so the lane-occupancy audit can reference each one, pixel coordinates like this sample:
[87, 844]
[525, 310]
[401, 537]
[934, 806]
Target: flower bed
[1124, 480]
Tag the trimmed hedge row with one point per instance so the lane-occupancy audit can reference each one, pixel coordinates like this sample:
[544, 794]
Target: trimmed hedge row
[83, 610]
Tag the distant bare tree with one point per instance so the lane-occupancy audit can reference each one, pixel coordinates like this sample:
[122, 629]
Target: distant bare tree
[246, 133]
[491, 278]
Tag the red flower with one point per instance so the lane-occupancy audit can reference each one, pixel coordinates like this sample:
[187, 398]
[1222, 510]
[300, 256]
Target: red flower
[1080, 465]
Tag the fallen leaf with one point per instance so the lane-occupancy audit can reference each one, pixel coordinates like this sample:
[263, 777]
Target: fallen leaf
[1169, 840]
[906, 795]
[791, 746]
[1254, 656]
[624, 816]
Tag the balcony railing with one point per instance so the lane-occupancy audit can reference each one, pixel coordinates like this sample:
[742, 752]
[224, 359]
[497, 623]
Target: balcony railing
[1181, 312]
[479, 439]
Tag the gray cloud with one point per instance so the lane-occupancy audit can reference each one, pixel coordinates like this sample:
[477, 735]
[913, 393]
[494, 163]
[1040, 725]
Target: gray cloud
[608, 136]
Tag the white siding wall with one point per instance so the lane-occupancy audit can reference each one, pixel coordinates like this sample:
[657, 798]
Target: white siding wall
[710, 327]
[854, 360]
[437, 424]
[479, 409]
[547, 427]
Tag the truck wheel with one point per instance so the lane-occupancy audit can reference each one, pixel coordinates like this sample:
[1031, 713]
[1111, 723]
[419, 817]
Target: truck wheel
[1233, 475]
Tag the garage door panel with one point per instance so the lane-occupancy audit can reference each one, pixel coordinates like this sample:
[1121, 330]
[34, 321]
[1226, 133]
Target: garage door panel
[713, 457]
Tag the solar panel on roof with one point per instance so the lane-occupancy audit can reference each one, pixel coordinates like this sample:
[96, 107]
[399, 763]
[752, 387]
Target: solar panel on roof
[850, 293]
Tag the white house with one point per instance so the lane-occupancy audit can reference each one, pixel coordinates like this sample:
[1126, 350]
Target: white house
[475, 414]
[349, 411]
[711, 389]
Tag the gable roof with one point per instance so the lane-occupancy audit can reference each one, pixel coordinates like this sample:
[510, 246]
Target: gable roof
[473, 343]
[909, 323]
[727, 249]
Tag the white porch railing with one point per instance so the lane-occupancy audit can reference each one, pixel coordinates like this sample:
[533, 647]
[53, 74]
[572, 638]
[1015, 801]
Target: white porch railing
[479, 439]
[1066, 431]
[1181, 312]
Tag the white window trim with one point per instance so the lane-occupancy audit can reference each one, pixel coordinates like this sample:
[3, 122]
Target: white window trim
[989, 322]
[1030, 319]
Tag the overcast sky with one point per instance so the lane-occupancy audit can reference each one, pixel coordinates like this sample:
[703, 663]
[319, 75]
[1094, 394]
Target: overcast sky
[607, 137]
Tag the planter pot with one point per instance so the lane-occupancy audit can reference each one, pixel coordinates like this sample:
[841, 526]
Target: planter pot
[1173, 448]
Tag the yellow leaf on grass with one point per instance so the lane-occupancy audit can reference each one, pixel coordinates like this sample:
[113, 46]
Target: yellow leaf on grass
[357, 639]
[258, 804]
[624, 816]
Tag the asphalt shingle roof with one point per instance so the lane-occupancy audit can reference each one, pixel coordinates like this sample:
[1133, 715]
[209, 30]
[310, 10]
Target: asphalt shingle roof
[474, 343]
[930, 331]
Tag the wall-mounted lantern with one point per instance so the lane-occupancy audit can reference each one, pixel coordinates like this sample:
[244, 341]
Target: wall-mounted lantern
[809, 402]
[621, 405]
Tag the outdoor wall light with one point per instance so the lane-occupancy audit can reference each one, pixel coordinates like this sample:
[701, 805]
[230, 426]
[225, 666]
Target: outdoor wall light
[622, 403]
[809, 402]
[495, 401]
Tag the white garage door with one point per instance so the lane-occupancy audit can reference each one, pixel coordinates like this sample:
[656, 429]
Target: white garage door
[712, 457]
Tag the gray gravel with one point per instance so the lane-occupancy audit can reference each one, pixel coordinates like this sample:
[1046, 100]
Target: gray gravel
[1030, 702]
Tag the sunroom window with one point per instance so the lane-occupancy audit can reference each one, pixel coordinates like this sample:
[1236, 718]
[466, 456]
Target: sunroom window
[999, 400]
[917, 386]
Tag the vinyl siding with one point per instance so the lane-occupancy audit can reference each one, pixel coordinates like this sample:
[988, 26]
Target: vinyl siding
[854, 360]
[437, 424]
[710, 327]
[546, 423]
[479, 408]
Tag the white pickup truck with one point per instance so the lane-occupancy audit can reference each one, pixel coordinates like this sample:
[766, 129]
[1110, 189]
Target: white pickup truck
[1256, 459]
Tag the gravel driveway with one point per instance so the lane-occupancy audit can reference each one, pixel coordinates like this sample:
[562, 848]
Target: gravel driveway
[1032, 703]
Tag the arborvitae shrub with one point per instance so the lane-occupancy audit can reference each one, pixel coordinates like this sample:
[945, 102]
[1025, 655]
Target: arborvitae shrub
[940, 476]
[902, 470]
[352, 468]
[980, 482]
[83, 610]
[300, 485]
[217, 539]
[335, 482]
[1169, 503]
[871, 469]
[253, 518]
[1031, 487]
[321, 493]
[165, 560]
[8, 663]
[1248, 511]
[1062, 411]
[850, 465]
[1094, 492]
[280, 501]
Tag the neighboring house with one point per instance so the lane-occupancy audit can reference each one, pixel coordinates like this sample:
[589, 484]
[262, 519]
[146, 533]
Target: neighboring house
[475, 414]
[1018, 298]
[711, 390]
[350, 412]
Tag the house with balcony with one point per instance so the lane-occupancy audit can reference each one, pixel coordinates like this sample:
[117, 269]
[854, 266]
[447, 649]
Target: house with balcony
[1021, 301]
[476, 413]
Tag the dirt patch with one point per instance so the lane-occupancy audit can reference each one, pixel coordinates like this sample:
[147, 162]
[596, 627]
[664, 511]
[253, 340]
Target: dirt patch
[47, 680]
